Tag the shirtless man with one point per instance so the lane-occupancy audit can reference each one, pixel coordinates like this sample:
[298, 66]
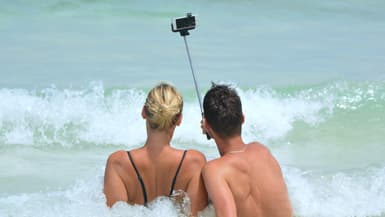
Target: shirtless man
[246, 181]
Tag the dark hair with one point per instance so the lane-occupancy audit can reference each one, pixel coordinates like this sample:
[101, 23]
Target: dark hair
[223, 110]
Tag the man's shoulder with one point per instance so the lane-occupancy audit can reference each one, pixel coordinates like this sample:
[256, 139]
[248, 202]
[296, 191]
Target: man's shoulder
[214, 166]
[259, 148]
[263, 155]
[256, 144]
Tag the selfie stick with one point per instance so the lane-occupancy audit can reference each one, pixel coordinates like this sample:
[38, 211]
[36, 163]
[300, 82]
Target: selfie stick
[184, 33]
[193, 74]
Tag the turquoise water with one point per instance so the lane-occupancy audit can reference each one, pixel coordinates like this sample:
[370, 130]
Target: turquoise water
[74, 76]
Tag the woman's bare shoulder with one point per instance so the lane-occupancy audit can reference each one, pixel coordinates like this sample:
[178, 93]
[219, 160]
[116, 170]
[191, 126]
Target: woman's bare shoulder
[117, 157]
[195, 158]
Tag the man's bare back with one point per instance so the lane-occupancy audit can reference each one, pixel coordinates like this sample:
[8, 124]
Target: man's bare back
[251, 179]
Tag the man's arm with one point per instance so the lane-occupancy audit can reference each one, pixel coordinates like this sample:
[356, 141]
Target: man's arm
[219, 191]
[114, 188]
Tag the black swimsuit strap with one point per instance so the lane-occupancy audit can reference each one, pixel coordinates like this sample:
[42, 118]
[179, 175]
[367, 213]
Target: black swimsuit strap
[139, 178]
[176, 174]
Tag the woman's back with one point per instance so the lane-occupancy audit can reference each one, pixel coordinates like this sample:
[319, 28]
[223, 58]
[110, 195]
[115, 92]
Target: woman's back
[142, 174]
[157, 170]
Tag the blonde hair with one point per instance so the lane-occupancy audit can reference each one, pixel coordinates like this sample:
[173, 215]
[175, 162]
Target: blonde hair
[163, 106]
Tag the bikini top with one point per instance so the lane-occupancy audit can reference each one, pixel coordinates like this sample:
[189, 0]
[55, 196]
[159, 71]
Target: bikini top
[141, 180]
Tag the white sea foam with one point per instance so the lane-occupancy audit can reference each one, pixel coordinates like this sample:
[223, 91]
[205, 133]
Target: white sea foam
[342, 194]
[69, 117]
[94, 115]
[271, 116]
[86, 199]
[350, 193]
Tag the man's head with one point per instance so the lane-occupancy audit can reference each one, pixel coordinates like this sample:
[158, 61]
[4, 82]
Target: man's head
[223, 110]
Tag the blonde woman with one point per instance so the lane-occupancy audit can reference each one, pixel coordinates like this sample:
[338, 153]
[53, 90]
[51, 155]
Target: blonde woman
[156, 169]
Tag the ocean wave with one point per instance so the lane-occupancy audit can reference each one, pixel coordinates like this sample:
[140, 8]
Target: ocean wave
[99, 116]
[358, 193]
[272, 113]
[86, 198]
[69, 117]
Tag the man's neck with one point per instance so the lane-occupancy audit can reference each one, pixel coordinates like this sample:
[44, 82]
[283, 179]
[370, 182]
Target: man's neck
[230, 145]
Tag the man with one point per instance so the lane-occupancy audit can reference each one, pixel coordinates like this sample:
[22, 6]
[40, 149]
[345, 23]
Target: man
[246, 180]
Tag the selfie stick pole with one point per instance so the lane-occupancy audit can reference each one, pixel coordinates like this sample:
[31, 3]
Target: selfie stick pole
[184, 33]
[193, 74]
[195, 80]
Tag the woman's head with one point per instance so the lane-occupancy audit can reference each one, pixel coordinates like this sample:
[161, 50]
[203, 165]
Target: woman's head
[163, 106]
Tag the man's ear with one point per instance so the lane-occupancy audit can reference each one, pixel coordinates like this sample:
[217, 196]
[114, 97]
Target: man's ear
[179, 121]
[207, 128]
[143, 113]
[205, 124]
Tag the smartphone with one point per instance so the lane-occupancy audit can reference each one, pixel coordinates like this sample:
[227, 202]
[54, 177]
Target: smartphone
[183, 23]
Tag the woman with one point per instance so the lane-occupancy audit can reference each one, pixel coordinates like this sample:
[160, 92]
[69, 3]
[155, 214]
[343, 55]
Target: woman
[156, 169]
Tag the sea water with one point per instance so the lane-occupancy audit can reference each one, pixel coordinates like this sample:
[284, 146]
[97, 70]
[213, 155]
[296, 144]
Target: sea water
[74, 76]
